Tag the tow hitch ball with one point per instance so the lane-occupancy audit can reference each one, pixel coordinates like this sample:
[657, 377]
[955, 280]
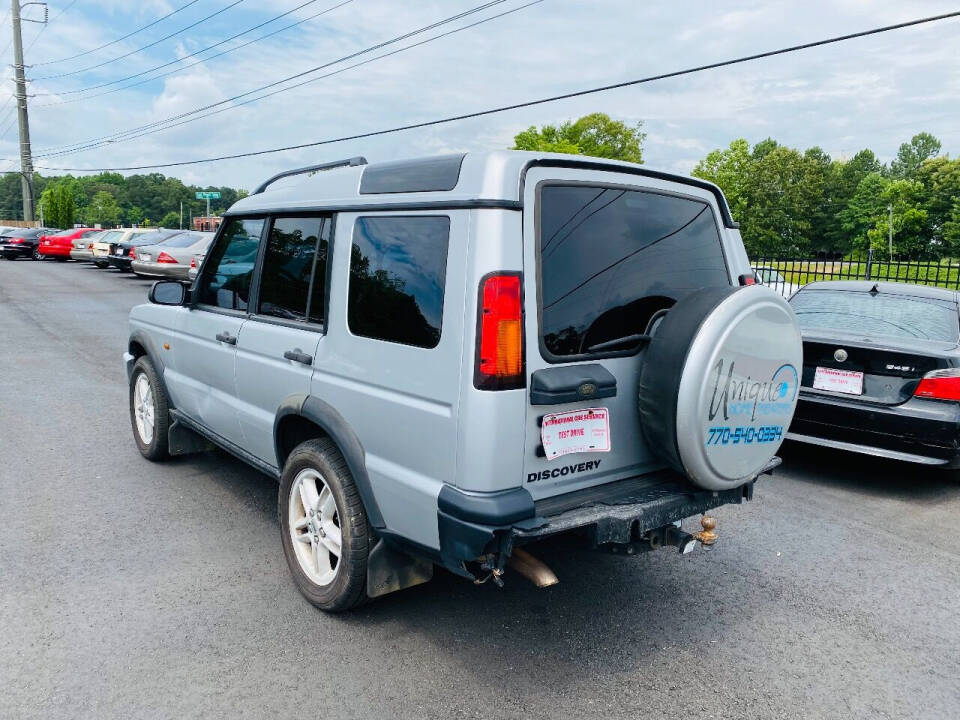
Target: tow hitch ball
[670, 536]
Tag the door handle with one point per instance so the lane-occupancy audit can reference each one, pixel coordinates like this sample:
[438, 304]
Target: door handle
[298, 356]
[227, 338]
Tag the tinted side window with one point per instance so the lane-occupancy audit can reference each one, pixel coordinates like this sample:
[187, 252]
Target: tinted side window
[226, 276]
[293, 283]
[611, 258]
[398, 268]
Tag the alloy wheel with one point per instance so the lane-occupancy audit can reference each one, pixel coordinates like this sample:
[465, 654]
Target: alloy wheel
[144, 409]
[315, 527]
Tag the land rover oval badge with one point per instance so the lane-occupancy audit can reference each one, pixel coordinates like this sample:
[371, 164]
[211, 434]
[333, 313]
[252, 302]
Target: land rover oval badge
[587, 389]
[840, 355]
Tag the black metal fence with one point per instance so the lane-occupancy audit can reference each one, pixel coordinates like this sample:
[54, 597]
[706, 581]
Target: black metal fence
[789, 274]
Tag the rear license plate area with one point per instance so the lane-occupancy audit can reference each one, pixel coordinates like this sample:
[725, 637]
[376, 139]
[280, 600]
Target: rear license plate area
[848, 382]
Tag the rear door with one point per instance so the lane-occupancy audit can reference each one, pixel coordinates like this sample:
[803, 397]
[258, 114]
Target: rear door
[873, 347]
[604, 258]
[278, 343]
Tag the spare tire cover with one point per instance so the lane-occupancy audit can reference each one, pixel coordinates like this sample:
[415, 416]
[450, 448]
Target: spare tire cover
[719, 384]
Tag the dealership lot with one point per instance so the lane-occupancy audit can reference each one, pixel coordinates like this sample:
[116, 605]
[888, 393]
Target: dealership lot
[133, 589]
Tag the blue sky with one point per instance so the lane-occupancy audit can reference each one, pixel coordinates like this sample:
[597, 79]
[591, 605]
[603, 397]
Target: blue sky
[873, 92]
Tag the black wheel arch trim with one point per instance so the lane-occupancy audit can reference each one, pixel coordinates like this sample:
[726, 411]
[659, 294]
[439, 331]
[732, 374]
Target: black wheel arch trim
[326, 417]
[143, 340]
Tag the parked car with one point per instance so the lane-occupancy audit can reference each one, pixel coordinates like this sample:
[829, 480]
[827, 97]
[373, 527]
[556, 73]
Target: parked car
[195, 262]
[773, 279]
[59, 245]
[83, 245]
[105, 245]
[440, 361]
[171, 257]
[123, 253]
[21, 243]
[881, 370]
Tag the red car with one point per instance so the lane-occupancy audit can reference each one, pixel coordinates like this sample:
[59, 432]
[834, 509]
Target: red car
[58, 245]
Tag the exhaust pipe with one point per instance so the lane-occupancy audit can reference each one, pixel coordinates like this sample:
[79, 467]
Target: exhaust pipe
[532, 569]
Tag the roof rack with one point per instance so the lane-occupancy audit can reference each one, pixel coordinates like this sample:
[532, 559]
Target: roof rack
[349, 162]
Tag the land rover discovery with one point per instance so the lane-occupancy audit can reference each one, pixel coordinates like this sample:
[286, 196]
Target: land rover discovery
[446, 359]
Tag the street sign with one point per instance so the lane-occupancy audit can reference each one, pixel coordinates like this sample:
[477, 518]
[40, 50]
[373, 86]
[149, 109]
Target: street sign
[207, 195]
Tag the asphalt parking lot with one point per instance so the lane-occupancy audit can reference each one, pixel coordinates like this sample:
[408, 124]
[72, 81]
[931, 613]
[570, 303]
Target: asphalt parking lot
[130, 589]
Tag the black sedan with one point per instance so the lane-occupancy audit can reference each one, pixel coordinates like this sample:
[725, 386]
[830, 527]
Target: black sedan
[120, 255]
[21, 243]
[881, 370]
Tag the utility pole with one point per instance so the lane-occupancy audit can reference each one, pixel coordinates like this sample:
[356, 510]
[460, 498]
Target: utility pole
[26, 159]
[890, 228]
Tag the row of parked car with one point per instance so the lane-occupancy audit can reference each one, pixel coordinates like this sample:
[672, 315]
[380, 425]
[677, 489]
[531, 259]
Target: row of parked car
[149, 252]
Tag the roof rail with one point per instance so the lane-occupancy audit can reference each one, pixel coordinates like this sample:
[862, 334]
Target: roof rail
[348, 162]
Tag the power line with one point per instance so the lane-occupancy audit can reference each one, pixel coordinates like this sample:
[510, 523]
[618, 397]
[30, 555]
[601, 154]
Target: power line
[541, 101]
[140, 49]
[300, 84]
[119, 39]
[115, 137]
[193, 54]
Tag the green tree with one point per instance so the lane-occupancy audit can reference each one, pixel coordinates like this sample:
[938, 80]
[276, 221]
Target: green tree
[730, 169]
[596, 135]
[102, 210]
[170, 220]
[864, 210]
[911, 155]
[58, 205]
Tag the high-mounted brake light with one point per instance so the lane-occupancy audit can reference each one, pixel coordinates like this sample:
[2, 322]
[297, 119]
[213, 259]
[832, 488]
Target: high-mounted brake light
[164, 258]
[500, 333]
[940, 385]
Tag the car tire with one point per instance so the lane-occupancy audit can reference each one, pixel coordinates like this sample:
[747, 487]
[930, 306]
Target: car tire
[149, 411]
[36, 254]
[317, 494]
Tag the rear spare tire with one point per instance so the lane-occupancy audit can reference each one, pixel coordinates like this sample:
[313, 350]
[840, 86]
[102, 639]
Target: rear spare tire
[719, 384]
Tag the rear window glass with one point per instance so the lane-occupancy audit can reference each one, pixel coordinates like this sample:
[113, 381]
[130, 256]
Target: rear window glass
[398, 267]
[182, 241]
[611, 258]
[880, 315]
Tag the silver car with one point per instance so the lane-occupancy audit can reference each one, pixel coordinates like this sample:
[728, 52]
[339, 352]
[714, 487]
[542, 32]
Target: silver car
[172, 257]
[444, 360]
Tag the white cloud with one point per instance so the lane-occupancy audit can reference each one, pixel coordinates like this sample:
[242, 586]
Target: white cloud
[874, 92]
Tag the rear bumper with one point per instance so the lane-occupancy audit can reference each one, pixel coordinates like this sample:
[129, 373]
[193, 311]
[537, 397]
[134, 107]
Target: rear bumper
[56, 250]
[16, 250]
[472, 524]
[120, 262]
[920, 431]
[160, 270]
[81, 254]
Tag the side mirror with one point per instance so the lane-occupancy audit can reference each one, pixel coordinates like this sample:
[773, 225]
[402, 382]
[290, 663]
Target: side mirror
[168, 292]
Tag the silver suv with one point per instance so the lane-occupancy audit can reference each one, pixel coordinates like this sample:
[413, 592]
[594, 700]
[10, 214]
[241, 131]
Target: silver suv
[445, 359]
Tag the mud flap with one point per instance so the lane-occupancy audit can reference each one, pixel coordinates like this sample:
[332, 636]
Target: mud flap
[181, 440]
[389, 570]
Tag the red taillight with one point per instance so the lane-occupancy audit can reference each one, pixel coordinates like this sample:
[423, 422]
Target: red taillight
[16, 241]
[164, 258]
[193, 263]
[748, 279]
[940, 385]
[132, 255]
[500, 333]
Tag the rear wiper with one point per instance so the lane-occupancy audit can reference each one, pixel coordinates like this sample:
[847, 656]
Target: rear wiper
[627, 341]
